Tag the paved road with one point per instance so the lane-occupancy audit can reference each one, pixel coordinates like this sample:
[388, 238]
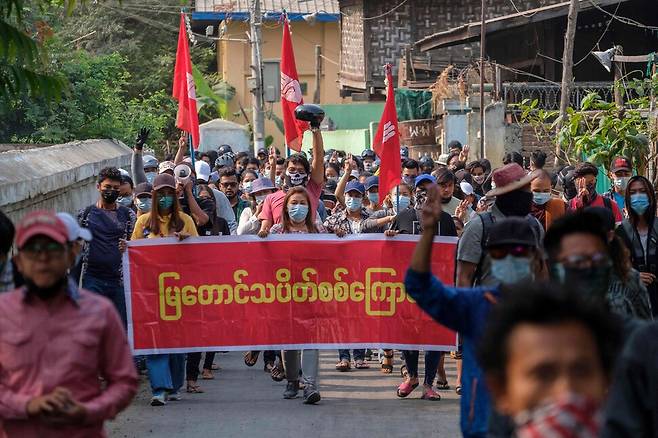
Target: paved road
[245, 402]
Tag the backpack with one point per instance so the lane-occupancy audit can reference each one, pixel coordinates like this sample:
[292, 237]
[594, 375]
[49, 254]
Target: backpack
[488, 220]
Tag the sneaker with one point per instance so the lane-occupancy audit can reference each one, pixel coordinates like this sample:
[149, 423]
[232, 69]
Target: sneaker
[159, 399]
[311, 394]
[292, 388]
[174, 396]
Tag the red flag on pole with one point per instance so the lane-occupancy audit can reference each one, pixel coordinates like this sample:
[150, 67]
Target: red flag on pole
[291, 92]
[184, 91]
[386, 143]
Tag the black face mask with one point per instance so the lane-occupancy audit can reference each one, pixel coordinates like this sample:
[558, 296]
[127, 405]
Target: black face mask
[420, 199]
[516, 203]
[446, 200]
[591, 282]
[45, 293]
[110, 196]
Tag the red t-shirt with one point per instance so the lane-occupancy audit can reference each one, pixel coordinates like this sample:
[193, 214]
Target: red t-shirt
[576, 203]
[273, 204]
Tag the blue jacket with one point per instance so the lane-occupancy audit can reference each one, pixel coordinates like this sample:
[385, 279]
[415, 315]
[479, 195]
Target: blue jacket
[463, 310]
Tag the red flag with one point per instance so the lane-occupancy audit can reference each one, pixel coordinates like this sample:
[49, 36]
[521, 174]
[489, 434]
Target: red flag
[291, 93]
[386, 143]
[184, 91]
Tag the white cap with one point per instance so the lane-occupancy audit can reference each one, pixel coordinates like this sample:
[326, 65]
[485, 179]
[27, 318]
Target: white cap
[466, 187]
[166, 165]
[124, 172]
[355, 173]
[202, 170]
[74, 229]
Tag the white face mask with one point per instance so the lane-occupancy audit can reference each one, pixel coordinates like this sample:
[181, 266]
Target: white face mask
[260, 199]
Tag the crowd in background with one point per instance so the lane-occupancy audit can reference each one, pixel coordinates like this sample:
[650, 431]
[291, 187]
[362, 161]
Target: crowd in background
[555, 284]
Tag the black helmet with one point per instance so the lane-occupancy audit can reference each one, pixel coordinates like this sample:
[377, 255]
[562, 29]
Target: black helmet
[426, 161]
[404, 152]
[224, 149]
[368, 153]
[225, 160]
[313, 114]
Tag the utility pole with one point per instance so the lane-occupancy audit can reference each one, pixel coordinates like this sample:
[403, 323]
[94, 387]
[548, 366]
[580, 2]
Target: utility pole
[318, 73]
[483, 33]
[567, 69]
[256, 85]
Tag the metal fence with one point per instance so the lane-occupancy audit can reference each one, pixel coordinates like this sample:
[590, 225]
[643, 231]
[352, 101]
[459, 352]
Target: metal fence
[548, 95]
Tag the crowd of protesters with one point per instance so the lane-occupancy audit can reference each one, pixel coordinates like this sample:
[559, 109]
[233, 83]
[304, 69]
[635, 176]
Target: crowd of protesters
[555, 285]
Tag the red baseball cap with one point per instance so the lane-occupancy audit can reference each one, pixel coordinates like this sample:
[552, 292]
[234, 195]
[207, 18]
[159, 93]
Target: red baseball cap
[41, 223]
[621, 163]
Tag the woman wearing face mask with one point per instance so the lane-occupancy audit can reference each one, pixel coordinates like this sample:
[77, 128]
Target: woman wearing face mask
[249, 222]
[247, 178]
[349, 221]
[640, 233]
[397, 200]
[166, 219]
[142, 198]
[478, 174]
[297, 218]
[126, 188]
[544, 207]
[332, 172]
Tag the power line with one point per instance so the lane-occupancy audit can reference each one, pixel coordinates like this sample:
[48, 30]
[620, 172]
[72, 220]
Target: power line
[596, 45]
[624, 20]
[522, 13]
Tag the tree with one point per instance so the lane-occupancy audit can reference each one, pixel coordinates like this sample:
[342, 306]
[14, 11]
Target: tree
[23, 61]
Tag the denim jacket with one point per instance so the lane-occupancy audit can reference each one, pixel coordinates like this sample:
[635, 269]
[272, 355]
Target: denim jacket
[463, 310]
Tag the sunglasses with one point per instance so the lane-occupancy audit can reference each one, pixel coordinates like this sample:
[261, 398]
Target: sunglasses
[228, 185]
[578, 261]
[500, 252]
[51, 249]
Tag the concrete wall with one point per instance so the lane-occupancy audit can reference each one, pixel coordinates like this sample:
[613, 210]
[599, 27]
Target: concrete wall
[60, 177]
[234, 59]
[500, 137]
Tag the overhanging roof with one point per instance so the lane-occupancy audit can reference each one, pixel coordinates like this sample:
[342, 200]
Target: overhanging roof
[217, 10]
[471, 31]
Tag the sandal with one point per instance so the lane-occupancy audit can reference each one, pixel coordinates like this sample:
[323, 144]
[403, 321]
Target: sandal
[430, 394]
[193, 388]
[277, 374]
[406, 388]
[458, 389]
[268, 367]
[442, 385]
[403, 372]
[387, 362]
[207, 375]
[251, 357]
[361, 365]
[343, 365]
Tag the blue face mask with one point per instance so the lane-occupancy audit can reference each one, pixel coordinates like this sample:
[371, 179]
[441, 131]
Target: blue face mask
[124, 201]
[353, 204]
[165, 202]
[640, 202]
[298, 212]
[400, 203]
[510, 270]
[540, 198]
[150, 176]
[373, 198]
[143, 204]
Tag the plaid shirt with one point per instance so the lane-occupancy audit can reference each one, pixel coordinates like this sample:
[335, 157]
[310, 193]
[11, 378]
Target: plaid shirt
[340, 221]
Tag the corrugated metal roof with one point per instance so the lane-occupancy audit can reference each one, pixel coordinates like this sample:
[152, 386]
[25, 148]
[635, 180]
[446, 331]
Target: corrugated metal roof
[291, 6]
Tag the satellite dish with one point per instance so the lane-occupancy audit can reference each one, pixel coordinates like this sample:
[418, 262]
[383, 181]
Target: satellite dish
[606, 58]
[311, 18]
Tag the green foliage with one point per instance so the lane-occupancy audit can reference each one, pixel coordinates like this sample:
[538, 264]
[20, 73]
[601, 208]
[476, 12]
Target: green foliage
[599, 130]
[110, 62]
[93, 106]
[23, 62]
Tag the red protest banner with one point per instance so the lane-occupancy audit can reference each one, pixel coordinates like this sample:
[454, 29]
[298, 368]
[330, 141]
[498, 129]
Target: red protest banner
[283, 292]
